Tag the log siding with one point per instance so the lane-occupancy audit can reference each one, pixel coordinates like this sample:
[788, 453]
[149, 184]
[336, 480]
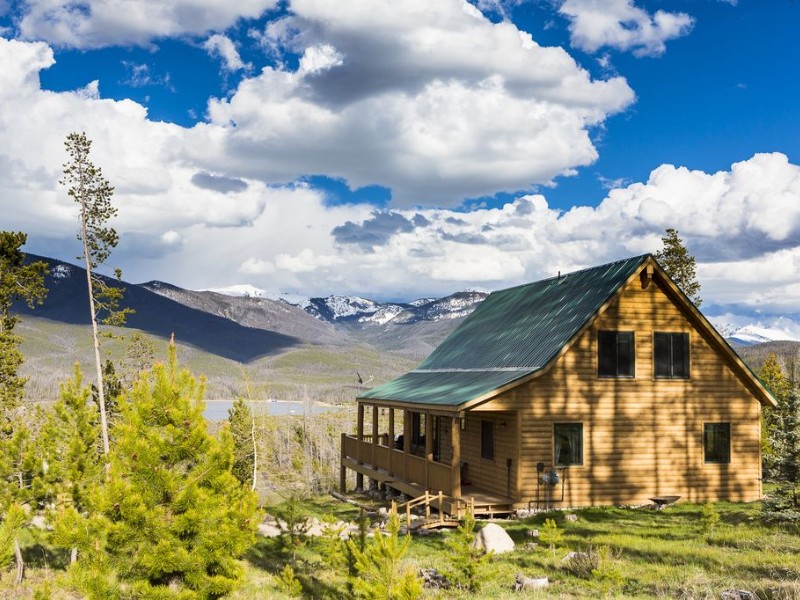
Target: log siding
[642, 436]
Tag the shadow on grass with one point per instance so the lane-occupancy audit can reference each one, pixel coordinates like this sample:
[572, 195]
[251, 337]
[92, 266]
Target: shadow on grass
[40, 555]
[273, 554]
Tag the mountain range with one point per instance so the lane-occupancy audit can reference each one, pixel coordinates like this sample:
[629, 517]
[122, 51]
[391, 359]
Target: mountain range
[287, 345]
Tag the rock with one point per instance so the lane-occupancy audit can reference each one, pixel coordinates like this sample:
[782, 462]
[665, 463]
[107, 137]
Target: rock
[524, 584]
[738, 595]
[530, 546]
[269, 530]
[576, 556]
[433, 580]
[313, 527]
[383, 511]
[570, 517]
[494, 538]
[534, 533]
[39, 522]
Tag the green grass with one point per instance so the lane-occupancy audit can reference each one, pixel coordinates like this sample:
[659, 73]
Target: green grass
[662, 554]
[650, 554]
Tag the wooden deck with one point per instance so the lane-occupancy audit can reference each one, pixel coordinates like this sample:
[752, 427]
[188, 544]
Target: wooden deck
[486, 504]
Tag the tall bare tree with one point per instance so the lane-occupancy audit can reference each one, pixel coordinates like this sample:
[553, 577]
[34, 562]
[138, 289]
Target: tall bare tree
[87, 186]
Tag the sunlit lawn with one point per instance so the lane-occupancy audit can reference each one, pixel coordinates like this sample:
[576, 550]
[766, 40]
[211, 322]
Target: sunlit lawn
[650, 553]
[665, 553]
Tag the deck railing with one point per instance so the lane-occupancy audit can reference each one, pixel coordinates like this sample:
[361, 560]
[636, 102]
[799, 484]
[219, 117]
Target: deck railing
[407, 467]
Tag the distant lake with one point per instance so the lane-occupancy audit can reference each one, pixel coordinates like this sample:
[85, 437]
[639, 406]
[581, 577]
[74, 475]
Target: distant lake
[217, 410]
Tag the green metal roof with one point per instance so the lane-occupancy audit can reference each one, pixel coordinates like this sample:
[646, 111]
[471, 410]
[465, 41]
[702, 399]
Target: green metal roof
[512, 334]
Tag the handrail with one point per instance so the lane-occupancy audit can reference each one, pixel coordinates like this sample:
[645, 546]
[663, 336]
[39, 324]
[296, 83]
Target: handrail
[426, 499]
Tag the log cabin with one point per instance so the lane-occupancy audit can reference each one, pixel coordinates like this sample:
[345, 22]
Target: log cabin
[605, 386]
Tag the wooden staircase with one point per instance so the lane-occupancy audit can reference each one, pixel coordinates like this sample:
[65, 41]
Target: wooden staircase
[443, 517]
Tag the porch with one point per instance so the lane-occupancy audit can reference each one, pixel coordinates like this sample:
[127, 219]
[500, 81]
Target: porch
[425, 457]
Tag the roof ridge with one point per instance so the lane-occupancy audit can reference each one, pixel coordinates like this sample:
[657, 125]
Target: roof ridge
[638, 258]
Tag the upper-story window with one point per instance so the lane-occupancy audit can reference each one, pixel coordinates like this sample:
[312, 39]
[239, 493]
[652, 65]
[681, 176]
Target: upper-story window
[615, 354]
[671, 355]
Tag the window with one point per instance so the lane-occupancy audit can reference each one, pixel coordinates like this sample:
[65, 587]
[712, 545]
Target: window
[717, 442]
[487, 440]
[568, 444]
[671, 355]
[615, 354]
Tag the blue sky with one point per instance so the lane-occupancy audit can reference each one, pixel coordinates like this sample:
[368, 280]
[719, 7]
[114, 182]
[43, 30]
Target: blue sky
[408, 149]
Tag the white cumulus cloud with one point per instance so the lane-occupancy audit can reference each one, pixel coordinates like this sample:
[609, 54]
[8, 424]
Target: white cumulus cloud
[223, 47]
[429, 99]
[98, 23]
[621, 24]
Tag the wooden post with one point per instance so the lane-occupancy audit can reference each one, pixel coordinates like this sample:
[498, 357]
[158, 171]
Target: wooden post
[360, 430]
[455, 463]
[342, 468]
[360, 436]
[391, 441]
[375, 439]
[427, 507]
[441, 508]
[407, 431]
[428, 448]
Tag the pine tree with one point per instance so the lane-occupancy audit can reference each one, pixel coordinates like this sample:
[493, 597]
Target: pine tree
[18, 282]
[87, 186]
[771, 375]
[382, 572]
[783, 503]
[242, 426]
[139, 356]
[15, 491]
[174, 517]
[675, 259]
[466, 560]
[69, 442]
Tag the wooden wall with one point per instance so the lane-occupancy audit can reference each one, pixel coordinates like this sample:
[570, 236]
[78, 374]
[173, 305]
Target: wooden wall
[642, 437]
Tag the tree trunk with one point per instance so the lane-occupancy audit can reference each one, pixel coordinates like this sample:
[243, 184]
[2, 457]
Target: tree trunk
[95, 337]
[255, 452]
[73, 556]
[20, 562]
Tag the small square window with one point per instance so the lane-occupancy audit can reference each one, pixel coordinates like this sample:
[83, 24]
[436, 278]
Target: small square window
[568, 444]
[487, 440]
[717, 442]
[671, 355]
[615, 354]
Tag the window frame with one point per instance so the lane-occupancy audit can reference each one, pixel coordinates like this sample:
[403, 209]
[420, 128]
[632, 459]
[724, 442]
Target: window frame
[726, 456]
[687, 361]
[603, 333]
[487, 445]
[580, 424]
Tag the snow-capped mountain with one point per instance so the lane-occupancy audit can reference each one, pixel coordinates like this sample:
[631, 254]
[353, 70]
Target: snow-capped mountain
[344, 309]
[758, 333]
[238, 291]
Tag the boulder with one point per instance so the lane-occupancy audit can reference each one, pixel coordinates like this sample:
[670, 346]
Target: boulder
[269, 530]
[575, 556]
[434, 580]
[738, 595]
[524, 583]
[493, 538]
